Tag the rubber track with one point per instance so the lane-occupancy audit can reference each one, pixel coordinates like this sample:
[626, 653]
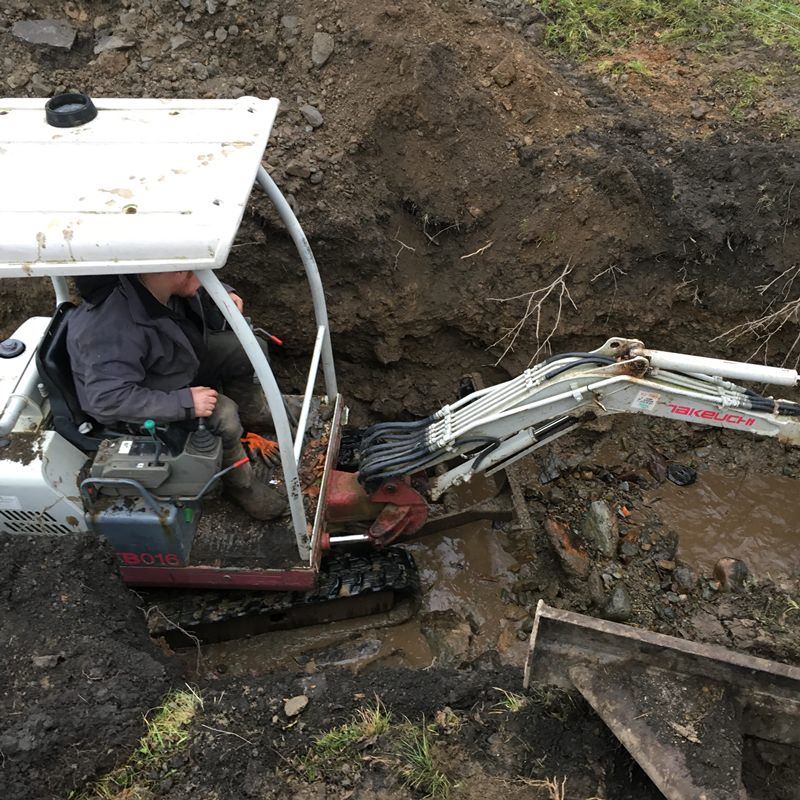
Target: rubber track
[343, 575]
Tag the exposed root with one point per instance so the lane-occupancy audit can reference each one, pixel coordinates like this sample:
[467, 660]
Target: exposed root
[554, 789]
[191, 636]
[780, 311]
[403, 246]
[478, 251]
[536, 301]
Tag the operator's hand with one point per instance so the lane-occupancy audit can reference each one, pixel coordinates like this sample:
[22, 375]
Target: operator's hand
[237, 301]
[205, 400]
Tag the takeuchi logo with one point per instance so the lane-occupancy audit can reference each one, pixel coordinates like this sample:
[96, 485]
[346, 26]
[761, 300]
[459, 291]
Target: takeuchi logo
[712, 416]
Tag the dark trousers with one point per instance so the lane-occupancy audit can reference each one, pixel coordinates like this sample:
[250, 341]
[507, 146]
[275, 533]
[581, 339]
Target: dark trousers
[225, 361]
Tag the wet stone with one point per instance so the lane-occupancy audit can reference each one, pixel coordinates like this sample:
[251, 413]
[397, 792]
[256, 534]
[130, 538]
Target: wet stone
[448, 637]
[681, 475]
[574, 559]
[732, 574]
[629, 549]
[619, 607]
[597, 589]
[48, 661]
[321, 48]
[51, 32]
[685, 578]
[708, 627]
[291, 23]
[601, 529]
[553, 465]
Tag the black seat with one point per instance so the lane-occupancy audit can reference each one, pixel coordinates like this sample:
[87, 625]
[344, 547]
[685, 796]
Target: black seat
[52, 362]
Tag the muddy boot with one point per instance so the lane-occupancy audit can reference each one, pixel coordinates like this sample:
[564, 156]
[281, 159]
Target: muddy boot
[260, 500]
[252, 492]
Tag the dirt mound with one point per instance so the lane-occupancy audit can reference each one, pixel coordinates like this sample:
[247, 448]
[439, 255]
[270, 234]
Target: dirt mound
[78, 669]
[444, 167]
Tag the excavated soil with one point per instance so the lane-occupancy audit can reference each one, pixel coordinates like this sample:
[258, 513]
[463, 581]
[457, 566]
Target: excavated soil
[458, 167]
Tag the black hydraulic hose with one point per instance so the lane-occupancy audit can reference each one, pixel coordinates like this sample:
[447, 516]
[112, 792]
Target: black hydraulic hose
[378, 464]
[559, 356]
[390, 447]
[481, 457]
[383, 464]
[397, 426]
[556, 426]
[604, 360]
[408, 469]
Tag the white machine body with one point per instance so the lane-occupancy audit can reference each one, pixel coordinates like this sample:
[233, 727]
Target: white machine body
[39, 471]
[39, 486]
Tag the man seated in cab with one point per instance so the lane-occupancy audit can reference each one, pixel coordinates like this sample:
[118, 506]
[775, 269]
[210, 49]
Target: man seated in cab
[141, 348]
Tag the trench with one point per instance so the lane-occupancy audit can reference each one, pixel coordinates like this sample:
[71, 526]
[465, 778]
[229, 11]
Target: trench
[464, 610]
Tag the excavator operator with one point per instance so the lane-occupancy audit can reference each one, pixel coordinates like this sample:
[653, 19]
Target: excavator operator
[145, 347]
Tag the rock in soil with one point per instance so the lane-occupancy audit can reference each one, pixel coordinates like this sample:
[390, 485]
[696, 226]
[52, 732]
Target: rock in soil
[51, 32]
[572, 555]
[600, 527]
[322, 48]
[295, 705]
[619, 607]
[312, 115]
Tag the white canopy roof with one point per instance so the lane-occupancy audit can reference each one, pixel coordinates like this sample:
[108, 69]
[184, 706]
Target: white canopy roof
[148, 185]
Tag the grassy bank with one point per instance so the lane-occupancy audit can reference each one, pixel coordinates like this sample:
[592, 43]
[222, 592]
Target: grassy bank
[584, 27]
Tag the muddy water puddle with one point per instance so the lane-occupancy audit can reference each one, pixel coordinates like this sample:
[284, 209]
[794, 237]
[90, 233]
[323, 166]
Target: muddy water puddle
[749, 516]
[464, 571]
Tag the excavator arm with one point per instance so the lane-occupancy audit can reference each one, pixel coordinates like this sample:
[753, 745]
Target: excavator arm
[490, 429]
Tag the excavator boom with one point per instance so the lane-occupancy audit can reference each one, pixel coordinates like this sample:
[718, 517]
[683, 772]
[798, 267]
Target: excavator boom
[490, 429]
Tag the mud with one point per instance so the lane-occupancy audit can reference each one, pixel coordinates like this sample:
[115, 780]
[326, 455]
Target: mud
[464, 612]
[434, 194]
[747, 516]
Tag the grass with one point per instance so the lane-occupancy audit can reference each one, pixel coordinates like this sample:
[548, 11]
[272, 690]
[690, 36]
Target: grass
[419, 769]
[345, 742]
[405, 748]
[166, 735]
[742, 89]
[511, 701]
[611, 66]
[591, 27]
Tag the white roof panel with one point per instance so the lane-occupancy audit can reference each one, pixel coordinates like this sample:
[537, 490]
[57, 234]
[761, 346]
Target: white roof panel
[148, 185]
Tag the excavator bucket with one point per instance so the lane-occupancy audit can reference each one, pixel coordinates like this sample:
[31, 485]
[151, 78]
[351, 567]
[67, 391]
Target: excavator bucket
[680, 708]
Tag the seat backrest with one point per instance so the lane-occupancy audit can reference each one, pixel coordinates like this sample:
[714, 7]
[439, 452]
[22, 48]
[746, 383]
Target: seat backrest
[52, 362]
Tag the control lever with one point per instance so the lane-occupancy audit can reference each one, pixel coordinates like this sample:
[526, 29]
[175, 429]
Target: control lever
[203, 441]
[149, 426]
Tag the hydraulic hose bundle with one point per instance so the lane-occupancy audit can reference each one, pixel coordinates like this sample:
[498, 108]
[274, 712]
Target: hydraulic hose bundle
[499, 422]
[392, 449]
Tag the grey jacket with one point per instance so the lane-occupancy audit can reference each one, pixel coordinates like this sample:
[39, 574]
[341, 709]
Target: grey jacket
[130, 364]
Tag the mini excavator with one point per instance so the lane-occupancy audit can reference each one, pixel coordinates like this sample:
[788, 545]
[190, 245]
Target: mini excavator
[119, 186]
